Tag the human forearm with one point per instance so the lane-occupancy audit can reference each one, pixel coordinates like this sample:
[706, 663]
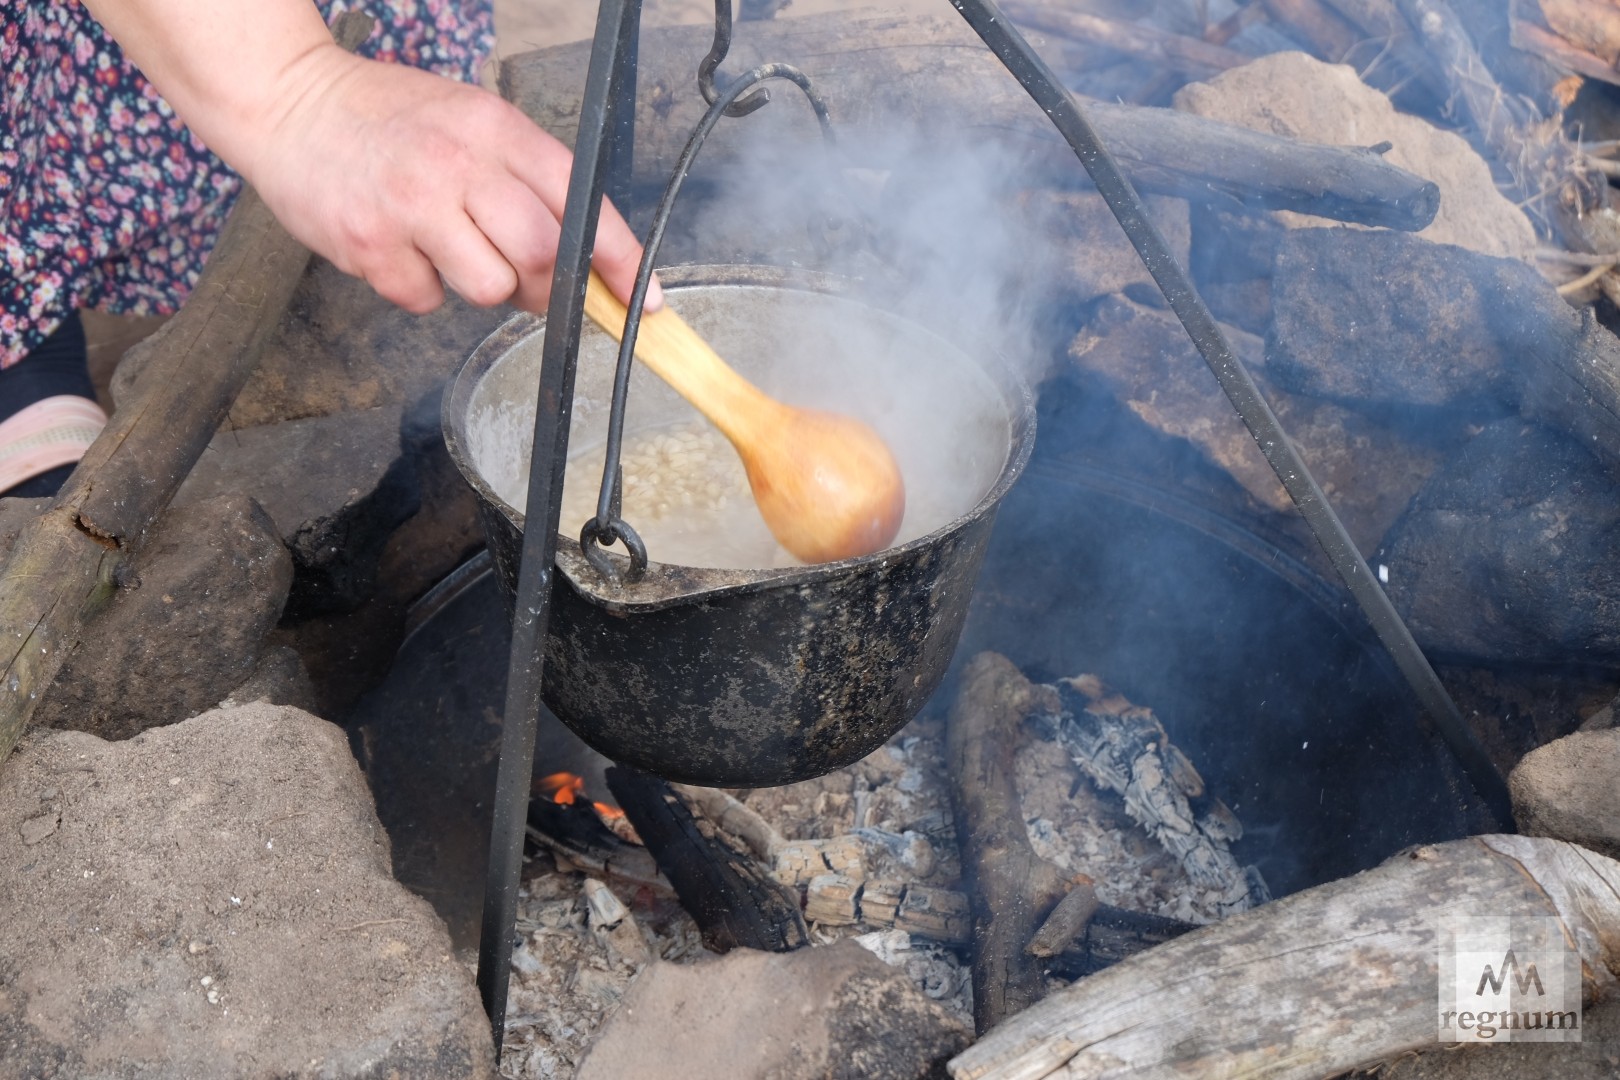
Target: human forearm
[232, 69]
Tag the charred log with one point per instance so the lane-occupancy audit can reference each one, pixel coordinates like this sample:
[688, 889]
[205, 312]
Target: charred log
[733, 900]
[575, 834]
[1011, 888]
[1113, 935]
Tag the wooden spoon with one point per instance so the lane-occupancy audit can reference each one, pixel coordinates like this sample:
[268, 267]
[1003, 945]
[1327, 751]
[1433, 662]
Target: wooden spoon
[826, 484]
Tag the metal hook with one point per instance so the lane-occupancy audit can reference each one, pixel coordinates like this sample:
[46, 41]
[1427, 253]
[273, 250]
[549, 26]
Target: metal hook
[711, 64]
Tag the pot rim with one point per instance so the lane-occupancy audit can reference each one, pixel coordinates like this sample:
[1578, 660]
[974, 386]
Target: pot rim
[667, 584]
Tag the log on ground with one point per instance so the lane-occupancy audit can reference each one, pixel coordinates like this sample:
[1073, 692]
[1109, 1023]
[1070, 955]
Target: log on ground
[1012, 889]
[1339, 976]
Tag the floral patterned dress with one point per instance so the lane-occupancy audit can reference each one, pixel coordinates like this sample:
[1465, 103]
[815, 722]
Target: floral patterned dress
[106, 200]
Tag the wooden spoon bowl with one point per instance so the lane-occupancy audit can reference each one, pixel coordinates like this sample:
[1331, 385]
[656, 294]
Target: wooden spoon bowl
[826, 484]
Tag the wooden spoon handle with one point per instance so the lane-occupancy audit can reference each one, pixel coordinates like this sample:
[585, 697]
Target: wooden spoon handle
[674, 352]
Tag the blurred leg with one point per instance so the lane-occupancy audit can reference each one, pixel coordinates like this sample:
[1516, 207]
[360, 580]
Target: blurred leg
[48, 414]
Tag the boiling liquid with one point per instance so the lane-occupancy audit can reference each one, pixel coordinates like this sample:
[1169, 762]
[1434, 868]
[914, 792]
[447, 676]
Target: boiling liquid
[685, 493]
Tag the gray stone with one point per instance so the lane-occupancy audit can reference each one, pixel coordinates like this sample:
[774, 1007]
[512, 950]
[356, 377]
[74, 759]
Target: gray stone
[336, 487]
[1369, 466]
[279, 679]
[186, 628]
[1096, 258]
[216, 901]
[1296, 95]
[1145, 357]
[1507, 554]
[1383, 316]
[1567, 790]
[832, 1011]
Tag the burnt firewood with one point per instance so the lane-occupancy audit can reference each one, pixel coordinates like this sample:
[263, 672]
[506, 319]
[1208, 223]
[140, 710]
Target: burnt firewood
[1011, 888]
[575, 834]
[1124, 749]
[734, 902]
[1529, 146]
[1067, 923]
[931, 78]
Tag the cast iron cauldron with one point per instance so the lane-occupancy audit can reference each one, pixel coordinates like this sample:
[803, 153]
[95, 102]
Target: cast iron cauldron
[750, 677]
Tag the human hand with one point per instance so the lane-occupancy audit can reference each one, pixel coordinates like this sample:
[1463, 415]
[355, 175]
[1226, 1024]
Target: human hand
[400, 177]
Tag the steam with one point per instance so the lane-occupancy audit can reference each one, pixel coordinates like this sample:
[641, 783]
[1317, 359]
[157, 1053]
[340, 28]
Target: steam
[935, 232]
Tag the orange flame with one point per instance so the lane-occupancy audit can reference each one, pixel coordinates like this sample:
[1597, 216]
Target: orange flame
[563, 787]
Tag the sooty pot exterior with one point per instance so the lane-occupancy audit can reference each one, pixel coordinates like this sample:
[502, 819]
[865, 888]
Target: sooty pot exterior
[769, 683]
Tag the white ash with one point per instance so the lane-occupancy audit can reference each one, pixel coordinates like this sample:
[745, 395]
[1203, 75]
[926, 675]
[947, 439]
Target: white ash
[572, 965]
[1090, 833]
[1122, 748]
[937, 970]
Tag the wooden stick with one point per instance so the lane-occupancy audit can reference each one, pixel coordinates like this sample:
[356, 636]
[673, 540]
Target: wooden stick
[1548, 45]
[1574, 258]
[1589, 278]
[1187, 55]
[1329, 34]
[933, 80]
[1235, 23]
[1011, 888]
[67, 563]
[1531, 147]
[1112, 935]
[1380, 22]
[1067, 923]
[1338, 977]
[575, 834]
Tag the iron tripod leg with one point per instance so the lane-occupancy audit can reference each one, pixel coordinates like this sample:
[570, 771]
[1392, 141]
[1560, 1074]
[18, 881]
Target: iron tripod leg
[606, 84]
[1043, 86]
